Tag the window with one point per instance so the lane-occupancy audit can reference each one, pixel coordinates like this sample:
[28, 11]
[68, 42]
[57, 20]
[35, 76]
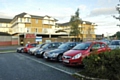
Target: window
[96, 46]
[27, 19]
[28, 30]
[20, 19]
[36, 20]
[103, 45]
[6, 25]
[36, 30]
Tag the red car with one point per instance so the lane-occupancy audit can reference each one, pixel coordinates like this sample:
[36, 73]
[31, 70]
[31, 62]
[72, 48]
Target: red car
[28, 46]
[74, 56]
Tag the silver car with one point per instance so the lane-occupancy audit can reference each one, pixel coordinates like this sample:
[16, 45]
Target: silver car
[115, 44]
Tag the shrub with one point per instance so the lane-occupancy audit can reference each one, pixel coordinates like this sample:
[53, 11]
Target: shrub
[104, 65]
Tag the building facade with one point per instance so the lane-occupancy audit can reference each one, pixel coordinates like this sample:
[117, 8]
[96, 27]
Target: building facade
[87, 30]
[26, 23]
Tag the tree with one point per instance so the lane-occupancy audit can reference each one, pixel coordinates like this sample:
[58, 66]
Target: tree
[74, 25]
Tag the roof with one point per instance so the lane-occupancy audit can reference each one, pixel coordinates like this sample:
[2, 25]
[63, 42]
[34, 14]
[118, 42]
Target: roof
[22, 15]
[3, 20]
[4, 34]
[68, 23]
[33, 16]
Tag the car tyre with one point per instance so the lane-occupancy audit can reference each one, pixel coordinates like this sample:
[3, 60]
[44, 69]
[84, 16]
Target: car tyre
[22, 51]
[59, 58]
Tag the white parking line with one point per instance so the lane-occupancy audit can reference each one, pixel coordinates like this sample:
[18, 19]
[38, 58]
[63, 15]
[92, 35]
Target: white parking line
[47, 65]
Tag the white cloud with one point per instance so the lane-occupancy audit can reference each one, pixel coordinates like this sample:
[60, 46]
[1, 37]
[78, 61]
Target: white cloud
[102, 11]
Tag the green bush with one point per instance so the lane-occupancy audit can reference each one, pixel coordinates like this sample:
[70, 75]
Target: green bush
[104, 65]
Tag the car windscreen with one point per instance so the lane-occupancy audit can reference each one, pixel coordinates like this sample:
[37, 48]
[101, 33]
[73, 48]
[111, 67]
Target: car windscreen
[115, 43]
[34, 45]
[46, 45]
[62, 46]
[38, 45]
[26, 45]
[82, 46]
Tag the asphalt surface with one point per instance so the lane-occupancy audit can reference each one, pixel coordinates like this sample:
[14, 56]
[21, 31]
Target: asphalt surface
[21, 66]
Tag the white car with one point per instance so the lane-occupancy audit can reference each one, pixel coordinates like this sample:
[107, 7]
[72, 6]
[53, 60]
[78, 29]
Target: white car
[32, 50]
[20, 49]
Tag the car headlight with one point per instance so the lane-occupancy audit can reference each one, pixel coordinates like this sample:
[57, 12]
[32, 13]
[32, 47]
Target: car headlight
[54, 54]
[77, 56]
[41, 52]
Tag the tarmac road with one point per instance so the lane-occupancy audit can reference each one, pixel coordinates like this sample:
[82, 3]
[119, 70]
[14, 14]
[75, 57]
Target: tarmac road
[17, 66]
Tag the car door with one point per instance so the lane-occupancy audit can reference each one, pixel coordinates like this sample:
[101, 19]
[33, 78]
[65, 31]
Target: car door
[104, 47]
[96, 48]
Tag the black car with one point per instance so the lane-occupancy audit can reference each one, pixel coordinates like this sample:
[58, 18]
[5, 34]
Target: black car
[56, 54]
[47, 46]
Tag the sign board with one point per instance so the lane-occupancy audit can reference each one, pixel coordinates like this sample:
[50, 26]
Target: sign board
[30, 35]
[39, 39]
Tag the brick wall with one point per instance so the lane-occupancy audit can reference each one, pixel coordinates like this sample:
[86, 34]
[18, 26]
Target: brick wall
[5, 43]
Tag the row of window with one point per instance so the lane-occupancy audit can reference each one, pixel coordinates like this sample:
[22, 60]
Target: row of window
[3, 25]
[36, 21]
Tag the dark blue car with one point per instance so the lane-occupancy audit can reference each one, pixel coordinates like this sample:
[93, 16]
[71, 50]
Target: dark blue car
[56, 54]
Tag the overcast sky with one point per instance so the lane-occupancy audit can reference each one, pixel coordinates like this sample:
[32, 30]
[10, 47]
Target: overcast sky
[97, 11]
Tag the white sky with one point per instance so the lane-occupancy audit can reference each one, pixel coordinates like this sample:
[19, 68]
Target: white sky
[97, 11]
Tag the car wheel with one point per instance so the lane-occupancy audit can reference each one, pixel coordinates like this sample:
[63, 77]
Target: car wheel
[59, 58]
[22, 51]
[18, 51]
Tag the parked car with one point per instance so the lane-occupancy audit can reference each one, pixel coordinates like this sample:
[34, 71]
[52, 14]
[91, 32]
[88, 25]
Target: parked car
[115, 44]
[46, 47]
[32, 50]
[28, 46]
[56, 54]
[19, 49]
[74, 56]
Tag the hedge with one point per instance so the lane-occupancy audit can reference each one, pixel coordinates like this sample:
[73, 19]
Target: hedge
[104, 65]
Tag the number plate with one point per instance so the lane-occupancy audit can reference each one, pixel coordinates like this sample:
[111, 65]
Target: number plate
[66, 61]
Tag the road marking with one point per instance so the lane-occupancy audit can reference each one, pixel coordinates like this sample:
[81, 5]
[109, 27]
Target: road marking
[47, 65]
[6, 52]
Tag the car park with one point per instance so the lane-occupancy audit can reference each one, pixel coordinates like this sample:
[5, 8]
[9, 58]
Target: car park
[56, 54]
[32, 50]
[46, 47]
[114, 44]
[74, 56]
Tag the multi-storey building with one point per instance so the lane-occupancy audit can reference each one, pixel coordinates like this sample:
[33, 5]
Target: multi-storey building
[26, 23]
[87, 30]
[5, 25]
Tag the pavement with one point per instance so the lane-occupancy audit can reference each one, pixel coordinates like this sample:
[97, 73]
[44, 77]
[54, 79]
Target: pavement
[7, 49]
